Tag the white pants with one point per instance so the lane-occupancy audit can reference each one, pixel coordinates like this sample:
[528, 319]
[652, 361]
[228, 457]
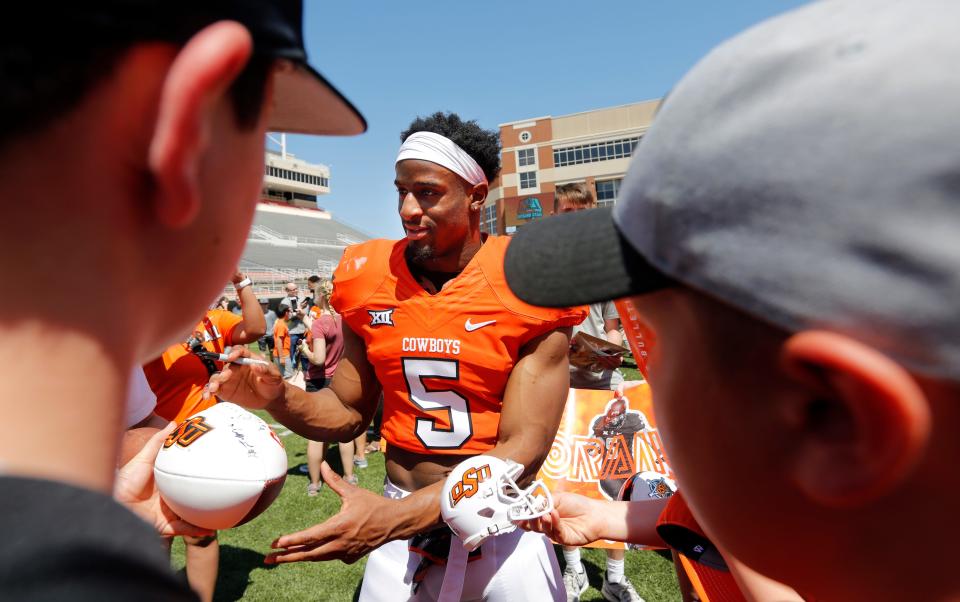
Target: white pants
[515, 567]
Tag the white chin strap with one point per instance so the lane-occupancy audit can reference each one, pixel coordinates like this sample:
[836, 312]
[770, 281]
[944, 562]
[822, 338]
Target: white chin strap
[438, 149]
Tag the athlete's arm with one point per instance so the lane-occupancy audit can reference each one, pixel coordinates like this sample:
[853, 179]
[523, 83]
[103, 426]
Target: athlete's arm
[254, 325]
[337, 413]
[534, 400]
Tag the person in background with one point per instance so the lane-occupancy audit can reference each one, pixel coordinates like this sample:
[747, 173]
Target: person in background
[296, 325]
[312, 283]
[265, 343]
[281, 342]
[324, 355]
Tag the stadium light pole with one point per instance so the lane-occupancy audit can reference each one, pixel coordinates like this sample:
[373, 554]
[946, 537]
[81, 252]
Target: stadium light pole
[281, 142]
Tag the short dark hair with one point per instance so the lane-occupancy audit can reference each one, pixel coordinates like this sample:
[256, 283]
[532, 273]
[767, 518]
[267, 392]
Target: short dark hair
[313, 278]
[41, 80]
[282, 310]
[483, 145]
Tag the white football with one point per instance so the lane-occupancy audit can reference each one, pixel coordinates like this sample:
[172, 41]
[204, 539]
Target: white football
[221, 467]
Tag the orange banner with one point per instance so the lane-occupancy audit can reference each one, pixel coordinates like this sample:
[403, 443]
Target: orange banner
[603, 441]
[639, 336]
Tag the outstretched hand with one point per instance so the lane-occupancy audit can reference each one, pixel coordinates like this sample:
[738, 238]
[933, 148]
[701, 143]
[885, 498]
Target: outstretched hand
[362, 525]
[254, 387]
[136, 489]
[575, 520]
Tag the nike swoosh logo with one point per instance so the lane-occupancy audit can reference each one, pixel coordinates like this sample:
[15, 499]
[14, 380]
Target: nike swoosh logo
[470, 326]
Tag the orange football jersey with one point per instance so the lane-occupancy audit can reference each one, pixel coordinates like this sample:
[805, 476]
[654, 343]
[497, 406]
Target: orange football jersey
[177, 377]
[443, 360]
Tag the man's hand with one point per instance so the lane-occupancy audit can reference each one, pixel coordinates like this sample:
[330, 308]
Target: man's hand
[136, 489]
[237, 277]
[362, 525]
[254, 387]
[574, 521]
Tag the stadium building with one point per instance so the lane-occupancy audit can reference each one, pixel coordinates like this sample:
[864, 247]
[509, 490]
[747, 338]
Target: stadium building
[541, 153]
[293, 238]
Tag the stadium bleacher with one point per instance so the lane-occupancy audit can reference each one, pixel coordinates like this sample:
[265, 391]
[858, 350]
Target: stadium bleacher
[304, 222]
[289, 243]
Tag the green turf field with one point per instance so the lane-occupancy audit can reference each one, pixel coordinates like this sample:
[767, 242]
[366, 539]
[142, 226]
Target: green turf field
[244, 576]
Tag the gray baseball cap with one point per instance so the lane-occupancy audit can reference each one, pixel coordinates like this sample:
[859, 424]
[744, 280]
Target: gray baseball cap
[806, 172]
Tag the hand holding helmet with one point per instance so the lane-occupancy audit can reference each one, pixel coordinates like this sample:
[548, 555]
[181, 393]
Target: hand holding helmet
[481, 498]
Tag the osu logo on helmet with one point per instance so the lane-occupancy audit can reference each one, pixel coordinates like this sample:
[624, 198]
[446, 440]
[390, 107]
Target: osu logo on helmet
[189, 431]
[467, 486]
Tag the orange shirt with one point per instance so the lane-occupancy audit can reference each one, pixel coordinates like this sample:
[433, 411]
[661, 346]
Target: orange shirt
[443, 360]
[281, 339]
[177, 377]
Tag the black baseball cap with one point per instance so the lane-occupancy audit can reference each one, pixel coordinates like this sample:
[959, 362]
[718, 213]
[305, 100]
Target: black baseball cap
[304, 101]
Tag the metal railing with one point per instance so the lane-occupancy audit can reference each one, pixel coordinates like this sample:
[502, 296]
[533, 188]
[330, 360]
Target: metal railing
[271, 281]
[265, 234]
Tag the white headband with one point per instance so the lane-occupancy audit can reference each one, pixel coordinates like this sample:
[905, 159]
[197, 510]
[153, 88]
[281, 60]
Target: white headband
[444, 152]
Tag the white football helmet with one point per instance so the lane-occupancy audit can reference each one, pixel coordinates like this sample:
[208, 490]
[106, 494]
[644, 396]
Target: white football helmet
[481, 498]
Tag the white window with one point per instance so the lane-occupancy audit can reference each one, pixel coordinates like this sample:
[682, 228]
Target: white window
[608, 191]
[597, 151]
[526, 157]
[528, 179]
[490, 219]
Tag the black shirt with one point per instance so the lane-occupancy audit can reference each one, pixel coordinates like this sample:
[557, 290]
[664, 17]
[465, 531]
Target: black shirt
[60, 542]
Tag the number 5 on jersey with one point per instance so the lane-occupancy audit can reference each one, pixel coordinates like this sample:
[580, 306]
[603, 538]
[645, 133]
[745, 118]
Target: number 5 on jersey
[430, 400]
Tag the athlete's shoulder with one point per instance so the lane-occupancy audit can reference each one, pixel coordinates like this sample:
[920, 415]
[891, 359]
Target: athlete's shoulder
[491, 263]
[223, 318]
[361, 269]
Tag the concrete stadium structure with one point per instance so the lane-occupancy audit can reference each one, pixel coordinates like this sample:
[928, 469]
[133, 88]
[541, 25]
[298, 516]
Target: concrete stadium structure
[291, 237]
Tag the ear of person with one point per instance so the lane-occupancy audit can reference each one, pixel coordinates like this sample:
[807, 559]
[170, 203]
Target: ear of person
[478, 194]
[199, 76]
[862, 421]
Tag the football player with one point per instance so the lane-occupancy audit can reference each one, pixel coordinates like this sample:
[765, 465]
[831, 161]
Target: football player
[465, 368]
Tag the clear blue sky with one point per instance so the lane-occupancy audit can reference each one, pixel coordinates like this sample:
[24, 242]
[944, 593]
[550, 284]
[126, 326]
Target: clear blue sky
[494, 62]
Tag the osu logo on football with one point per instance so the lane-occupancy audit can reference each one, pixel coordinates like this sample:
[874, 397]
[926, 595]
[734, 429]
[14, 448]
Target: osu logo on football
[467, 486]
[189, 431]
